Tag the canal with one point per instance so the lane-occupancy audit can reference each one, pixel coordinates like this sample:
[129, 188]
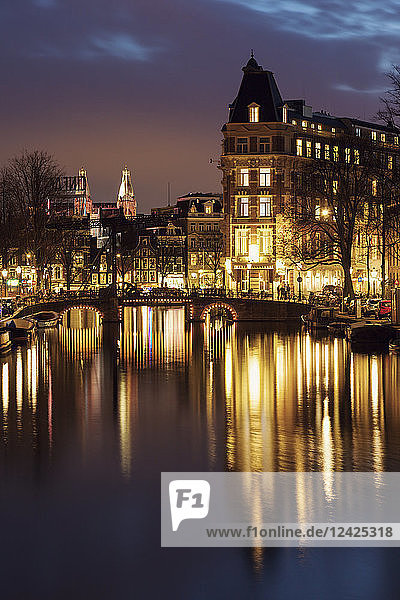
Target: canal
[91, 414]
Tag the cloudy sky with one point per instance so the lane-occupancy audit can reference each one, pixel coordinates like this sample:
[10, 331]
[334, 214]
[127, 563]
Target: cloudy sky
[146, 83]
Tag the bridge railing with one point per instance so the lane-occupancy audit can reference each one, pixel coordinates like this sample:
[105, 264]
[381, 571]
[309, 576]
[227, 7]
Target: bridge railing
[154, 295]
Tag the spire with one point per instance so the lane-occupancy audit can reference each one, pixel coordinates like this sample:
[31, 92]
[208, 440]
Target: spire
[126, 195]
[83, 201]
[252, 64]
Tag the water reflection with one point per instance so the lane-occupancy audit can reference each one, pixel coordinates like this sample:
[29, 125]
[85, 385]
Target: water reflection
[155, 394]
[253, 400]
[268, 400]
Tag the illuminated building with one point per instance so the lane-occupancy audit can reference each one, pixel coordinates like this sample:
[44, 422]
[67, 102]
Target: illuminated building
[200, 215]
[265, 140]
[73, 198]
[126, 196]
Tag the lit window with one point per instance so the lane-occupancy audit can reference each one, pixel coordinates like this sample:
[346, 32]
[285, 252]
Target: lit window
[254, 114]
[304, 124]
[265, 206]
[373, 135]
[317, 150]
[243, 207]
[383, 137]
[390, 162]
[374, 187]
[335, 186]
[243, 177]
[265, 145]
[242, 146]
[347, 155]
[312, 126]
[308, 149]
[357, 157]
[299, 147]
[284, 114]
[208, 208]
[326, 151]
[241, 241]
[265, 240]
[336, 153]
[396, 140]
[317, 212]
[319, 127]
[265, 177]
[333, 130]
[358, 132]
[294, 122]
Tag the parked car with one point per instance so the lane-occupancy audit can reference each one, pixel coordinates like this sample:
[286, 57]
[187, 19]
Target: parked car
[332, 290]
[371, 307]
[384, 310]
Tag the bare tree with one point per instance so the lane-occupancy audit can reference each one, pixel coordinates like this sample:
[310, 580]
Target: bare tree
[32, 185]
[126, 256]
[329, 200]
[212, 244]
[390, 102]
[10, 222]
[169, 251]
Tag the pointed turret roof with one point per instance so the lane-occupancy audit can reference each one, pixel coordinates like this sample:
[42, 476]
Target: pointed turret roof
[126, 187]
[259, 87]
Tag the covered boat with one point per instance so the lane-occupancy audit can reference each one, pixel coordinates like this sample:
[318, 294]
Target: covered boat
[368, 333]
[320, 317]
[21, 330]
[45, 319]
[5, 342]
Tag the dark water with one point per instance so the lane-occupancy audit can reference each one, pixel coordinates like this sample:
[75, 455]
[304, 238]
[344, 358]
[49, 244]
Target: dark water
[91, 415]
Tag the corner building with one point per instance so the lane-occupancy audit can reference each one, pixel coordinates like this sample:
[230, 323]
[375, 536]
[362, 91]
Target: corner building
[264, 139]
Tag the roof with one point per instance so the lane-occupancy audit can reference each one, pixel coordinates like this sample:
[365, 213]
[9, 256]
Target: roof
[258, 86]
[183, 205]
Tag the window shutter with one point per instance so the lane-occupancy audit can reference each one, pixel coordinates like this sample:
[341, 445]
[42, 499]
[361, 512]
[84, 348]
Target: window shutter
[253, 144]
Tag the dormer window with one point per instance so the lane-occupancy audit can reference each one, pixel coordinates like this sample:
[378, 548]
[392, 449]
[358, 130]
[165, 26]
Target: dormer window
[254, 113]
[208, 208]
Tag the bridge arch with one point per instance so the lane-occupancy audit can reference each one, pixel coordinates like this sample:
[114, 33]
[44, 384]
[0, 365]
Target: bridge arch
[81, 307]
[219, 305]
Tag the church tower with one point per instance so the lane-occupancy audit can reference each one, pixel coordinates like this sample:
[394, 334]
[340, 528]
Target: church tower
[126, 196]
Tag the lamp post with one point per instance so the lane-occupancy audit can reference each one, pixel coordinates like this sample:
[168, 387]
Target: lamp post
[4, 274]
[19, 271]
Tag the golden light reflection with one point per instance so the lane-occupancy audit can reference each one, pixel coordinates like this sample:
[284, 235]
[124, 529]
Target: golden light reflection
[152, 337]
[5, 385]
[327, 452]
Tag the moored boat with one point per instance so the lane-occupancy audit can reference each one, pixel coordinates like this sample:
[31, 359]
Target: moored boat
[394, 345]
[21, 330]
[5, 342]
[319, 317]
[338, 327]
[45, 319]
[368, 333]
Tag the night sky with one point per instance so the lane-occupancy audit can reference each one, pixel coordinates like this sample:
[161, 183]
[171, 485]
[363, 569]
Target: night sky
[102, 84]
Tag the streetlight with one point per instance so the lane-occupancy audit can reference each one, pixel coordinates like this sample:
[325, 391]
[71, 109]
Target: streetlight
[19, 271]
[4, 274]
